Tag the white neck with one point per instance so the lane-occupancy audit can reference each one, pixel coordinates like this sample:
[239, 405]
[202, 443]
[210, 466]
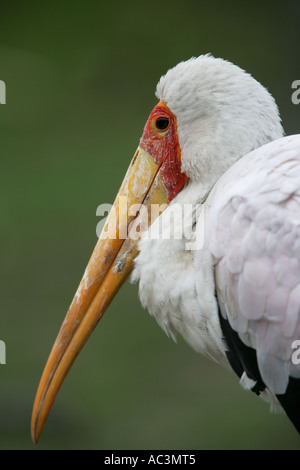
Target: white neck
[176, 283]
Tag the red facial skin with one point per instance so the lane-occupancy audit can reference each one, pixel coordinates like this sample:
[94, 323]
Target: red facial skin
[163, 146]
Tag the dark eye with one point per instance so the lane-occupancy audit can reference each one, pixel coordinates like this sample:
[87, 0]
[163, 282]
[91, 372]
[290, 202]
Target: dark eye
[162, 123]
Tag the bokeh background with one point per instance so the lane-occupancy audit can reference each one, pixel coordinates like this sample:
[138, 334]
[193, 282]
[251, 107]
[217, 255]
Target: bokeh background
[80, 79]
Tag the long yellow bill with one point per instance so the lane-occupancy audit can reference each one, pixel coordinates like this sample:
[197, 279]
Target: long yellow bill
[153, 179]
[109, 266]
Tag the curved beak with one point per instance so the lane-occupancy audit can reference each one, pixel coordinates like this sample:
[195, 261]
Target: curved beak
[109, 266]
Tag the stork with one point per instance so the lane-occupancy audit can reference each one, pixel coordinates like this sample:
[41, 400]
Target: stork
[229, 283]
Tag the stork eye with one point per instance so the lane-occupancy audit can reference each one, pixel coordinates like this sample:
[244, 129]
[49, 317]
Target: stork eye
[162, 123]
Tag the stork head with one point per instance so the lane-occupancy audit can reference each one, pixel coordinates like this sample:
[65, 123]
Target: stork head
[222, 114]
[210, 113]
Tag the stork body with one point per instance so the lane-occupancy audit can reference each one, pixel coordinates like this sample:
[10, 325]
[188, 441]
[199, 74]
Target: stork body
[228, 280]
[237, 299]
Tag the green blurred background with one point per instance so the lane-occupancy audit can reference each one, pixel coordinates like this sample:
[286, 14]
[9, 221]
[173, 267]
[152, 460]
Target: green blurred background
[80, 79]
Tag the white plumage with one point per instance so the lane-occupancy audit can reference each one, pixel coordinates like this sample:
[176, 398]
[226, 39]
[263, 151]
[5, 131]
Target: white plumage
[251, 224]
[254, 236]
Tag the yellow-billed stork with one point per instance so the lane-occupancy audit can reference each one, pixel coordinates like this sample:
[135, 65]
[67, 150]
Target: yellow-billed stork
[228, 280]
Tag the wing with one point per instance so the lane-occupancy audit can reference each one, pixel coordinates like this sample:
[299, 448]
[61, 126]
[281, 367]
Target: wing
[254, 236]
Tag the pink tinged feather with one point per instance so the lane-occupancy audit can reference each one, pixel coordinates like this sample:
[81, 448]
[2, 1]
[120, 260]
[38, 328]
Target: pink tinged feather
[275, 343]
[251, 301]
[258, 246]
[235, 260]
[266, 218]
[232, 306]
[291, 238]
[292, 313]
[274, 372]
[222, 235]
[292, 205]
[276, 304]
[290, 186]
[225, 284]
[253, 243]
[225, 215]
[239, 224]
[258, 328]
[221, 278]
[232, 298]
[239, 324]
[257, 272]
[287, 271]
[236, 202]
[271, 243]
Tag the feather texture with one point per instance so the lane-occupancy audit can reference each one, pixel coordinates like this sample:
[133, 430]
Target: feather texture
[255, 244]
